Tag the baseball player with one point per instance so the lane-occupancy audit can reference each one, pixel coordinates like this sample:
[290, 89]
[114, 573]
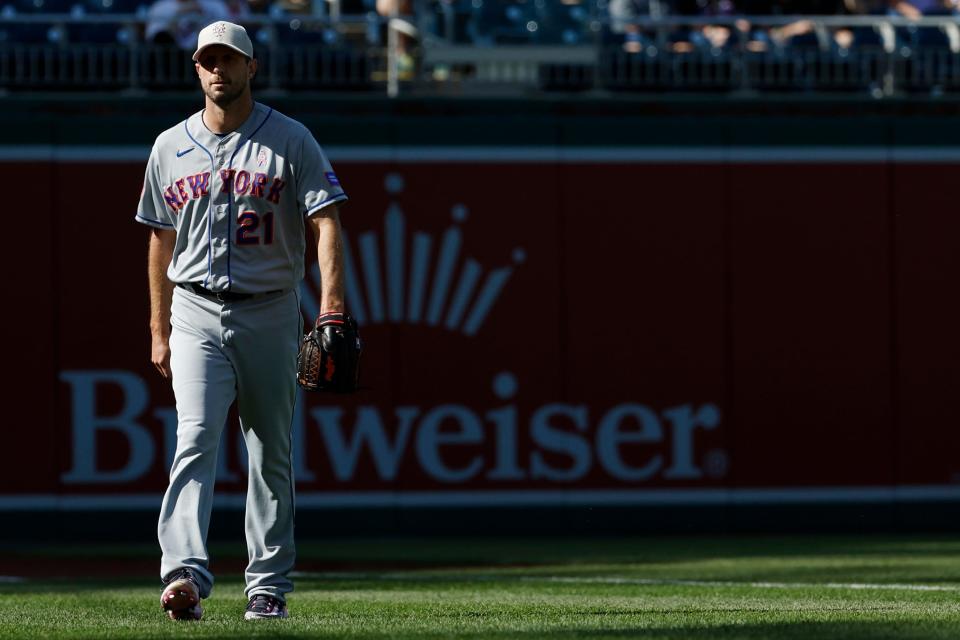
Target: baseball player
[228, 193]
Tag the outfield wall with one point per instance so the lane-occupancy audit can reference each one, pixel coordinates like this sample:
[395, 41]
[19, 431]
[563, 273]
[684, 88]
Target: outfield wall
[728, 322]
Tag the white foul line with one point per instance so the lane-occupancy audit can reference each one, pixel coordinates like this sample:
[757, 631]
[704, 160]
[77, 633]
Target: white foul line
[756, 585]
[415, 576]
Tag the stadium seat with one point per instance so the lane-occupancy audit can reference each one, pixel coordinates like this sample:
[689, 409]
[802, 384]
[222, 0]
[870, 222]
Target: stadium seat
[296, 33]
[929, 64]
[322, 67]
[44, 6]
[25, 33]
[503, 22]
[449, 20]
[93, 33]
[561, 23]
[357, 7]
[116, 6]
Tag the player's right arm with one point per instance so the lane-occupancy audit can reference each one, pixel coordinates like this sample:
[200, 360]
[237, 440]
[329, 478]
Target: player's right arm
[159, 255]
[153, 212]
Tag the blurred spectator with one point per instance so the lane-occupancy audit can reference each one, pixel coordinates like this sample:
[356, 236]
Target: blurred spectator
[886, 7]
[623, 15]
[847, 38]
[929, 7]
[711, 36]
[623, 12]
[238, 9]
[405, 43]
[919, 8]
[300, 7]
[180, 21]
[805, 7]
[719, 36]
[801, 32]
[389, 7]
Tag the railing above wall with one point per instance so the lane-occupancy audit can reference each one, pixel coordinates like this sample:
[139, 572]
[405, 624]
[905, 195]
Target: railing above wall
[61, 52]
[875, 56]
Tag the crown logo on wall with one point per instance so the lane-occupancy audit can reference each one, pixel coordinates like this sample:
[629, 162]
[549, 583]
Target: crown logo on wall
[447, 290]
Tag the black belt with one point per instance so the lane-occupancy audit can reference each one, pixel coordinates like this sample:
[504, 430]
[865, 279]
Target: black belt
[224, 296]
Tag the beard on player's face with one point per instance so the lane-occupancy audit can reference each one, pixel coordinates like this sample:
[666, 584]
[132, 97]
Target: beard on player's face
[226, 94]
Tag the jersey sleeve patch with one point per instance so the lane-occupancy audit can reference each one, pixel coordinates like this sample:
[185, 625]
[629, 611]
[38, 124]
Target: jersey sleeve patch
[316, 183]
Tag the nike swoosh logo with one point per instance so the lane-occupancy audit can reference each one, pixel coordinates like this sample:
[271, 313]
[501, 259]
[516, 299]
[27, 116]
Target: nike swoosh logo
[180, 154]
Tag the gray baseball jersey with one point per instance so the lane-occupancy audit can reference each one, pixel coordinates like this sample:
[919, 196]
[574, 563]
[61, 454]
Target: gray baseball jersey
[237, 201]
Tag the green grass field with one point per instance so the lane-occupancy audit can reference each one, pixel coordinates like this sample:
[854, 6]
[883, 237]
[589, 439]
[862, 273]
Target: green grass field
[811, 588]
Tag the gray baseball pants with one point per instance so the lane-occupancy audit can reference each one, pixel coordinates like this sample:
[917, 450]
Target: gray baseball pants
[221, 352]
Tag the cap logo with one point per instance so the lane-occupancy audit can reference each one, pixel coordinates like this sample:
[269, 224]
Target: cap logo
[224, 33]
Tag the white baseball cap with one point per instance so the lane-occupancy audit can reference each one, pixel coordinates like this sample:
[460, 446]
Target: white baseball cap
[225, 33]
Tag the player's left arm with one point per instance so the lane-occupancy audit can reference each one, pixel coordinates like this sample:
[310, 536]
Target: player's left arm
[325, 225]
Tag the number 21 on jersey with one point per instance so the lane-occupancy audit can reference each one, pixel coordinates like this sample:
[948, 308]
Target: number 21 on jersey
[253, 228]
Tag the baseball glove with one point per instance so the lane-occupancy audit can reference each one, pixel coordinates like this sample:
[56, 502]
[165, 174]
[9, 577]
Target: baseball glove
[329, 357]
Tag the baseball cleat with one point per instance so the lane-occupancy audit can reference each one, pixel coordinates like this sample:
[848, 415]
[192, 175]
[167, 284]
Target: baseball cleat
[181, 597]
[262, 607]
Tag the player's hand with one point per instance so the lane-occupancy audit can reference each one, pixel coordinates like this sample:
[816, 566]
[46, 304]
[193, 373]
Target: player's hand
[160, 355]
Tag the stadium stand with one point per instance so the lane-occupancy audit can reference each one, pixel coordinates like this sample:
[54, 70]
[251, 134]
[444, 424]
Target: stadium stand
[880, 47]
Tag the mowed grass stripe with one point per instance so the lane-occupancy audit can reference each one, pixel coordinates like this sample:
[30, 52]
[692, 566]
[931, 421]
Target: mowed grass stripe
[513, 614]
[726, 589]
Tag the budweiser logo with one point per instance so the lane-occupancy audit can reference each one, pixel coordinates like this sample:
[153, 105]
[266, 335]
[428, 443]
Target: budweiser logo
[417, 279]
[450, 443]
